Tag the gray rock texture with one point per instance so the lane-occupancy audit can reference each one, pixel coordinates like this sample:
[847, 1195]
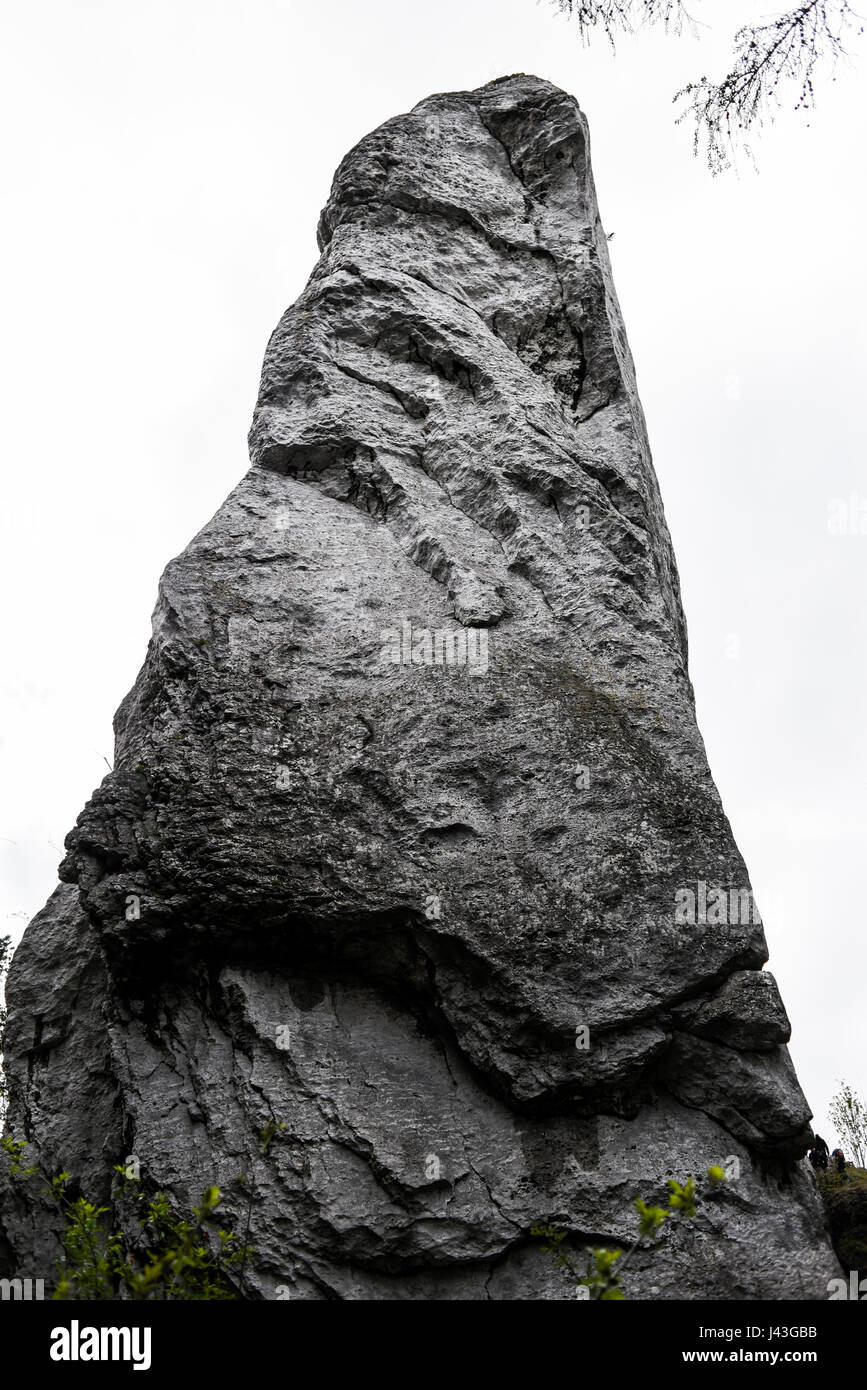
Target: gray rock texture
[408, 787]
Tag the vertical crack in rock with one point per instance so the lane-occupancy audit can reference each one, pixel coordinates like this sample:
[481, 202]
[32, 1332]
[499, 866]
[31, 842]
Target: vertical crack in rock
[409, 792]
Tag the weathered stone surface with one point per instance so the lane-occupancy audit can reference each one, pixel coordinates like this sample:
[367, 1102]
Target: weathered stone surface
[340, 881]
[747, 1013]
[755, 1095]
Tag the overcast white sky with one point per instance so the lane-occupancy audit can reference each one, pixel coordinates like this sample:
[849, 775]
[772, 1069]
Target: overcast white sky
[163, 168]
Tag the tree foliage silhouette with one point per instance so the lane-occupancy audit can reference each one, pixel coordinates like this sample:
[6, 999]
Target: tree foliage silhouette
[782, 54]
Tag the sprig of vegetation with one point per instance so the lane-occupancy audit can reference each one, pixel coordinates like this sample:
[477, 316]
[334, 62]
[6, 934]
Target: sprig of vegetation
[266, 1138]
[139, 1247]
[602, 1276]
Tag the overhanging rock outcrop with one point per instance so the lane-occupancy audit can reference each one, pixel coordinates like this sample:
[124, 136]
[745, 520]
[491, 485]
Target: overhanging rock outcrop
[411, 843]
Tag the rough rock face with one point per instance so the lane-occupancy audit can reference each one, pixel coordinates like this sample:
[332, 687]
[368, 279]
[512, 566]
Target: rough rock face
[411, 842]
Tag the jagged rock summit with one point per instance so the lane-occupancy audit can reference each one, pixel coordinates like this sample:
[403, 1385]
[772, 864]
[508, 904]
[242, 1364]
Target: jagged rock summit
[411, 843]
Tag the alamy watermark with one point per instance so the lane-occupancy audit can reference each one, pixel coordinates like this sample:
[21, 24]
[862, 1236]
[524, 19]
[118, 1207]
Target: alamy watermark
[715, 906]
[22, 1290]
[856, 1289]
[77, 1343]
[847, 516]
[442, 646]
[433, 1167]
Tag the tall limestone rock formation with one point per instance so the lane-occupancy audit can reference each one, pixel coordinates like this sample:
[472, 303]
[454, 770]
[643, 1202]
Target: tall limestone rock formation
[411, 843]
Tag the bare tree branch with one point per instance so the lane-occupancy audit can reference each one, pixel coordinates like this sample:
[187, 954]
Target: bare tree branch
[789, 49]
[617, 15]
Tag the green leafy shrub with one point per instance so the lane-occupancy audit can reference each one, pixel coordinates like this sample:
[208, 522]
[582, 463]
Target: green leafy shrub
[139, 1247]
[845, 1198]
